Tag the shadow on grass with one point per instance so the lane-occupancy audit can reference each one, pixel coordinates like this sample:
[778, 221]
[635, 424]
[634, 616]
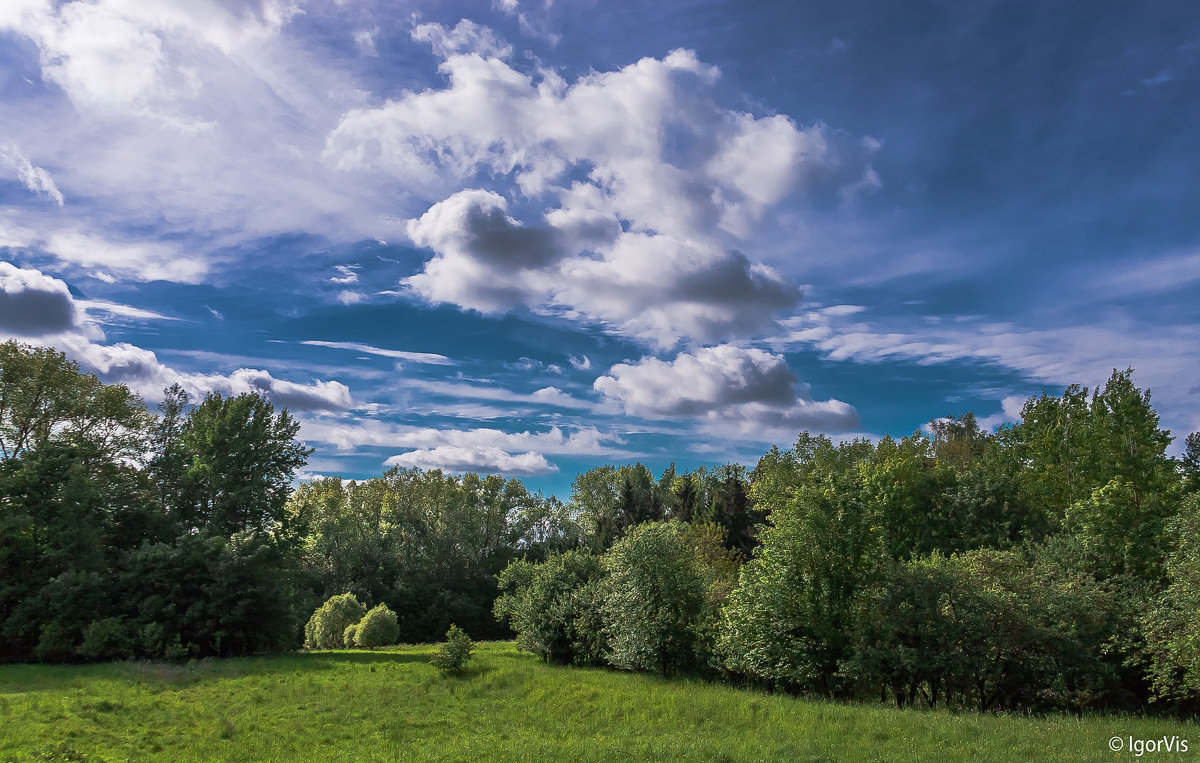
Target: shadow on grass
[330, 659]
[21, 678]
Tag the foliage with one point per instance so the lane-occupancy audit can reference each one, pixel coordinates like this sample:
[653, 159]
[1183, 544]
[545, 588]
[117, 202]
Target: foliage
[554, 607]
[207, 596]
[377, 628]
[427, 544]
[984, 629]
[326, 628]
[453, 655]
[653, 597]
[1173, 626]
[788, 621]
[240, 457]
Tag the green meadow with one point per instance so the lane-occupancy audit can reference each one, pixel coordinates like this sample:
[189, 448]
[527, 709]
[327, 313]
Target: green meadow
[392, 705]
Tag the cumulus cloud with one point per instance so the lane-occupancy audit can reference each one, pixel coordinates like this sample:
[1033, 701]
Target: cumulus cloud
[724, 385]
[33, 304]
[142, 371]
[343, 435]
[41, 309]
[459, 450]
[487, 460]
[651, 182]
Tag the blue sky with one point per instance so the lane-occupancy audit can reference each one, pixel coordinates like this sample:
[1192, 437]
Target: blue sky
[533, 237]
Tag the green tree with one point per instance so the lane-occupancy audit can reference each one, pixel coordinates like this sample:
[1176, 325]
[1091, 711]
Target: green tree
[985, 629]
[72, 496]
[788, 621]
[453, 655]
[1173, 625]
[241, 456]
[654, 598]
[1190, 463]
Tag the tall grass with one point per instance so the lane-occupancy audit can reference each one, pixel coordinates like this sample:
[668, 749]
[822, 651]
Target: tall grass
[393, 705]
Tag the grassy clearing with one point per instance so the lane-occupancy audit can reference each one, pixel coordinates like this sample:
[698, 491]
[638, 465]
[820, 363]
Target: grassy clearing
[390, 705]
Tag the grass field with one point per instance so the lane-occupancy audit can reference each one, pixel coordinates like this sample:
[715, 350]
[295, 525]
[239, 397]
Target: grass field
[392, 705]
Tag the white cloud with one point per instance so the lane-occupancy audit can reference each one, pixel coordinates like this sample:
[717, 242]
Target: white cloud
[652, 183]
[348, 435]
[458, 460]
[460, 390]
[34, 178]
[346, 274]
[200, 122]
[733, 387]
[466, 38]
[33, 304]
[1161, 355]
[40, 309]
[582, 363]
[142, 371]
[141, 260]
[123, 311]
[365, 40]
[430, 358]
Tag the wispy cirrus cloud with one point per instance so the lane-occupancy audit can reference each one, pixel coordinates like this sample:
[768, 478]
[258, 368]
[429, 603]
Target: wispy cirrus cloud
[429, 358]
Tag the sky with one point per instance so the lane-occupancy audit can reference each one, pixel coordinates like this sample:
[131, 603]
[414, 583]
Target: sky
[532, 237]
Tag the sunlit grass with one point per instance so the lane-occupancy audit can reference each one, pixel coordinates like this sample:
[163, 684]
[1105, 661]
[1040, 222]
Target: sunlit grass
[392, 705]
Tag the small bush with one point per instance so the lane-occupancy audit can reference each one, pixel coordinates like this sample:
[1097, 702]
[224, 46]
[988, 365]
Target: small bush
[107, 639]
[327, 627]
[453, 656]
[377, 628]
[348, 636]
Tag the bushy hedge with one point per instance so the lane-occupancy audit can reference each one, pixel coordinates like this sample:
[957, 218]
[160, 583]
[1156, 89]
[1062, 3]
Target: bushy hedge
[326, 629]
[555, 607]
[377, 628]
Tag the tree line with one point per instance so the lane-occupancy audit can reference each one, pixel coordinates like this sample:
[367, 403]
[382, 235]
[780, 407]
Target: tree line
[1050, 565]
[1053, 564]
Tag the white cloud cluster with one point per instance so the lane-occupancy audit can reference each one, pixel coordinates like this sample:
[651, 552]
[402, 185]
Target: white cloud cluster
[40, 309]
[747, 390]
[651, 183]
[142, 371]
[198, 121]
[487, 460]
[458, 450]
[33, 304]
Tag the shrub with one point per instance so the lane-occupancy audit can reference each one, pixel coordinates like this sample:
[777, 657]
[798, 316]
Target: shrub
[455, 653]
[348, 636]
[377, 628]
[107, 639]
[327, 627]
[554, 607]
